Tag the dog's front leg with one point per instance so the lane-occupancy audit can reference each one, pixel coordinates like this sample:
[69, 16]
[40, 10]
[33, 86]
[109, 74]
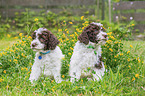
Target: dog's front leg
[75, 74]
[35, 73]
[57, 76]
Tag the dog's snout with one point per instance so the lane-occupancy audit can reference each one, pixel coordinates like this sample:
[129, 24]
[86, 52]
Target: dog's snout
[34, 45]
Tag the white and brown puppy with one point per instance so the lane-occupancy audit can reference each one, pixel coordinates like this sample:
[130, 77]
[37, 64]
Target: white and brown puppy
[48, 55]
[86, 60]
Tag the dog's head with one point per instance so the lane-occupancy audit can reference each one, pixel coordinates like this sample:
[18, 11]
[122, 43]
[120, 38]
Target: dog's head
[93, 33]
[43, 40]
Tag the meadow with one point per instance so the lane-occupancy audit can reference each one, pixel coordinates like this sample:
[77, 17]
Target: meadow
[123, 59]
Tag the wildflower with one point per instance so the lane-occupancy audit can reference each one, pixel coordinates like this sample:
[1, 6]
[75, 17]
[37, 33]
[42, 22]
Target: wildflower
[9, 35]
[131, 46]
[71, 48]
[128, 52]
[20, 34]
[44, 85]
[111, 49]
[82, 17]
[132, 24]
[22, 68]
[67, 32]
[15, 37]
[129, 67]
[121, 54]
[133, 79]
[109, 33]
[59, 30]
[36, 19]
[68, 65]
[72, 35]
[82, 80]
[15, 60]
[29, 37]
[63, 76]
[52, 81]
[137, 75]
[63, 35]
[4, 71]
[69, 53]
[26, 69]
[1, 80]
[70, 23]
[128, 59]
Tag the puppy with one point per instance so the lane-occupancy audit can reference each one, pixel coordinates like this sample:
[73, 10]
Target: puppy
[86, 60]
[48, 55]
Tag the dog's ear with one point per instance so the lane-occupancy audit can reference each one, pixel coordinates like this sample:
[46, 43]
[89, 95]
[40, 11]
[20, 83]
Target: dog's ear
[83, 38]
[52, 41]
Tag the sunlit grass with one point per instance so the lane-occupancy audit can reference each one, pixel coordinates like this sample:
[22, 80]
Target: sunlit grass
[4, 43]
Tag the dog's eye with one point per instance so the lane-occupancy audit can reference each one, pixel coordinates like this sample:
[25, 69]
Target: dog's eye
[33, 35]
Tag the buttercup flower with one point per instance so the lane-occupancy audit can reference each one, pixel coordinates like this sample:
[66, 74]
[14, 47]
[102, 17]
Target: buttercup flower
[36, 19]
[137, 75]
[131, 46]
[82, 17]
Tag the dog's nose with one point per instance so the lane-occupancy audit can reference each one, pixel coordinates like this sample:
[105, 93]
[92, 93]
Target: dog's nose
[34, 45]
[105, 35]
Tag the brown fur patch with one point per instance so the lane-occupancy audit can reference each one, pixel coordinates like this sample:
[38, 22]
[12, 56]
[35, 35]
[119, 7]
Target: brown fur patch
[89, 34]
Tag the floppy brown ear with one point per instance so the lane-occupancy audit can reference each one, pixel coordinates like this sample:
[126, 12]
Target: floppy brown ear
[83, 38]
[52, 42]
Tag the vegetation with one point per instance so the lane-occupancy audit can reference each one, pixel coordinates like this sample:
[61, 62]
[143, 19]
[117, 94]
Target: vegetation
[125, 70]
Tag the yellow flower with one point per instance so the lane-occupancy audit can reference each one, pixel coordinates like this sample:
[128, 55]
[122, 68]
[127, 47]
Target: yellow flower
[36, 19]
[70, 23]
[15, 60]
[121, 54]
[68, 65]
[1, 80]
[71, 48]
[15, 37]
[63, 35]
[63, 76]
[111, 49]
[69, 53]
[4, 71]
[67, 32]
[132, 24]
[72, 35]
[29, 37]
[26, 69]
[129, 67]
[109, 33]
[133, 79]
[82, 17]
[52, 81]
[9, 35]
[137, 75]
[20, 34]
[128, 59]
[59, 30]
[22, 68]
[128, 52]
[131, 46]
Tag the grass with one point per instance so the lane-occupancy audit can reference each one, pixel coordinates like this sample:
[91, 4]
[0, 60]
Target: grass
[138, 48]
[4, 43]
[112, 84]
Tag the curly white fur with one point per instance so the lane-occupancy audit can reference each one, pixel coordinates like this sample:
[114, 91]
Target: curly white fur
[83, 60]
[49, 65]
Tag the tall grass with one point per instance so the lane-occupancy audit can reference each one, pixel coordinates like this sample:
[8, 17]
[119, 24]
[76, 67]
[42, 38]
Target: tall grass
[125, 75]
